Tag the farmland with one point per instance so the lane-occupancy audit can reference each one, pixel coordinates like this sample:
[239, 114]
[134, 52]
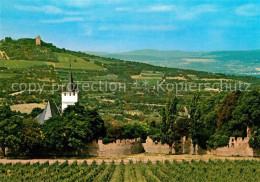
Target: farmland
[218, 170]
[77, 63]
[20, 63]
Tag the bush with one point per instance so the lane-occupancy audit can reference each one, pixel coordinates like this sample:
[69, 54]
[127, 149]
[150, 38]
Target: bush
[216, 141]
[254, 141]
[108, 140]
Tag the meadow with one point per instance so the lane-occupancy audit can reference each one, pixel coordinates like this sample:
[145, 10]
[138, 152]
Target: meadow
[66, 59]
[238, 170]
[19, 64]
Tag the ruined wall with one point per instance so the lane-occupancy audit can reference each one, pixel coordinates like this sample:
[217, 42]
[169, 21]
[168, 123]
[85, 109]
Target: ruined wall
[236, 147]
[156, 147]
[184, 146]
[120, 147]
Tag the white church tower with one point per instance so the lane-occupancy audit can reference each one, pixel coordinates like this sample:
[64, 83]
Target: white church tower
[70, 95]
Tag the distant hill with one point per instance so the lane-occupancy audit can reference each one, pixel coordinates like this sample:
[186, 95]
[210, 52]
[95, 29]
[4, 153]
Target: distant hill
[228, 62]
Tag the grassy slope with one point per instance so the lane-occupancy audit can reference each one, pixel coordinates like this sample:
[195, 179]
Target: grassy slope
[77, 63]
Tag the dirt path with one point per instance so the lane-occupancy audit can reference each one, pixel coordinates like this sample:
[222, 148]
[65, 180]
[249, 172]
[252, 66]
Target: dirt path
[4, 55]
[135, 158]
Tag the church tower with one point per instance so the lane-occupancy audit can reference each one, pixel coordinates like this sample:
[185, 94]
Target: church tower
[70, 95]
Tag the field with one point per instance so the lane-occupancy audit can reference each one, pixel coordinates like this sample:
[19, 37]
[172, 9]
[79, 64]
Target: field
[26, 108]
[238, 170]
[20, 63]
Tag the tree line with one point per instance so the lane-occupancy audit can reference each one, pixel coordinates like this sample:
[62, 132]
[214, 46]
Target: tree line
[212, 121]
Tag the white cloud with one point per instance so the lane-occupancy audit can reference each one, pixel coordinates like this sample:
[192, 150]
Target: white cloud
[48, 9]
[191, 13]
[137, 28]
[64, 20]
[87, 3]
[45, 9]
[248, 10]
[157, 8]
[123, 9]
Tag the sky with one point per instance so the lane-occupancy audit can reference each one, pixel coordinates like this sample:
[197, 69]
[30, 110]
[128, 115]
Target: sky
[124, 25]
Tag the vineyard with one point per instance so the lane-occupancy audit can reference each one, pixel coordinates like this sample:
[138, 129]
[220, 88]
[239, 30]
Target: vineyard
[242, 170]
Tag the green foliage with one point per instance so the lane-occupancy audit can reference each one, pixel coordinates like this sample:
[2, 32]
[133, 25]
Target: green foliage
[10, 130]
[134, 130]
[36, 111]
[73, 130]
[31, 138]
[25, 49]
[226, 108]
[247, 110]
[216, 141]
[194, 115]
[254, 141]
[215, 119]
[108, 140]
[114, 130]
[168, 129]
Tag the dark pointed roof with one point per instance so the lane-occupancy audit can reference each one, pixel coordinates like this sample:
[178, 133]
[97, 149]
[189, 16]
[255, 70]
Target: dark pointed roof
[50, 110]
[71, 87]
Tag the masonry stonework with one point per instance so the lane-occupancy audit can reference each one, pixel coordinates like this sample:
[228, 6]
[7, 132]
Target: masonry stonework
[120, 147]
[156, 147]
[184, 146]
[236, 147]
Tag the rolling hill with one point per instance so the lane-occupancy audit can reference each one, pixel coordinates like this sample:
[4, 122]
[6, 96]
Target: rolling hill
[228, 62]
[136, 97]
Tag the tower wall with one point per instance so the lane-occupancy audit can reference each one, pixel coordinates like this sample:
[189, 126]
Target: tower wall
[68, 98]
[38, 40]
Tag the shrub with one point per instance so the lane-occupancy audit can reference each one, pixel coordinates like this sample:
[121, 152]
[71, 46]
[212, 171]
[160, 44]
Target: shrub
[216, 141]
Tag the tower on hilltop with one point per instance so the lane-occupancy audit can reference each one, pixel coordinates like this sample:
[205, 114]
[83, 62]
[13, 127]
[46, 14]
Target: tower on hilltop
[38, 40]
[70, 95]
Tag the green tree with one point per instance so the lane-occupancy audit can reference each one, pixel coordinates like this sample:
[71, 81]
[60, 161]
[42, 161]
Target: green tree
[114, 130]
[31, 137]
[36, 111]
[73, 130]
[226, 108]
[10, 130]
[254, 141]
[169, 116]
[194, 118]
[247, 110]
[203, 118]
[134, 130]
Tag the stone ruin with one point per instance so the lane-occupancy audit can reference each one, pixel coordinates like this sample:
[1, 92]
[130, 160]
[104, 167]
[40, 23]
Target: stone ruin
[184, 146]
[117, 148]
[236, 147]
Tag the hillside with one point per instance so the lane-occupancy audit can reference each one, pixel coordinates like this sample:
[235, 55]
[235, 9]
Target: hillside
[227, 62]
[136, 97]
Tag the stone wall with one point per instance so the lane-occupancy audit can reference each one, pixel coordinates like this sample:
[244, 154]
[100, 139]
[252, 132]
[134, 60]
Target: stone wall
[120, 147]
[156, 147]
[236, 147]
[184, 146]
